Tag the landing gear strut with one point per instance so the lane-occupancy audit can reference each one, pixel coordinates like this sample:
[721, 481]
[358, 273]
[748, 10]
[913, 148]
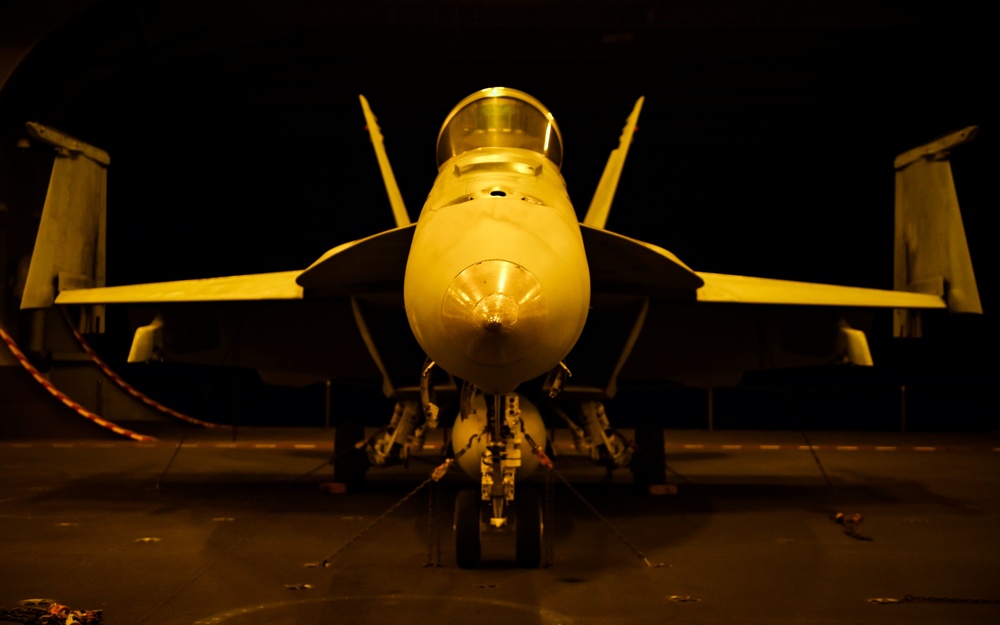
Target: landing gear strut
[493, 430]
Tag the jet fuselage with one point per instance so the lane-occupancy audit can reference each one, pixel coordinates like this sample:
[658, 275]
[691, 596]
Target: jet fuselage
[497, 286]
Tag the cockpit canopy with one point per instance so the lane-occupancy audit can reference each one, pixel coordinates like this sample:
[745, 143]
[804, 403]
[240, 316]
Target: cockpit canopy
[500, 117]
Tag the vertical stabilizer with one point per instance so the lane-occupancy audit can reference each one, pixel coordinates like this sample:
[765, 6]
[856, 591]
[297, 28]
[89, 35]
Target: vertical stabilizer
[391, 188]
[70, 244]
[600, 205]
[931, 251]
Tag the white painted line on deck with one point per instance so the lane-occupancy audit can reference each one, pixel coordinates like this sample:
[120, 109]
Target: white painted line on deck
[432, 447]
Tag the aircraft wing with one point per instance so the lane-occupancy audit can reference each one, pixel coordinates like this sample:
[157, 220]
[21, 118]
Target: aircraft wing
[337, 319]
[374, 263]
[371, 264]
[733, 289]
[266, 286]
[622, 264]
[652, 317]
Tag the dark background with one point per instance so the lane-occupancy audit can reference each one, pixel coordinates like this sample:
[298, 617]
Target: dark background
[765, 145]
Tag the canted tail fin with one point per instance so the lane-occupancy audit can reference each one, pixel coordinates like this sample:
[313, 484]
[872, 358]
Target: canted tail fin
[391, 188]
[600, 205]
[70, 245]
[931, 251]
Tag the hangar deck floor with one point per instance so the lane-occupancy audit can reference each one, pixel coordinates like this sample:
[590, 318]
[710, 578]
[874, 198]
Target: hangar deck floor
[230, 532]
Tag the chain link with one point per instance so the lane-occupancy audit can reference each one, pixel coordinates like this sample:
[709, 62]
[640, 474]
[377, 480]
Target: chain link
[393, 508]
[604, 519]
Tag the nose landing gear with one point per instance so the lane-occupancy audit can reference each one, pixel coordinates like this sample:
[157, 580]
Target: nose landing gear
[493, 508]
[470, 526]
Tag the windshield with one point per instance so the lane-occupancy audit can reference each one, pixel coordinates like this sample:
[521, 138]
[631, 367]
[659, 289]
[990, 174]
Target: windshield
[500, 117]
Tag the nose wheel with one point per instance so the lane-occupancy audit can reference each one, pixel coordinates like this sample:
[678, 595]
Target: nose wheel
[528, 546]
[529, 529]
[468, 546]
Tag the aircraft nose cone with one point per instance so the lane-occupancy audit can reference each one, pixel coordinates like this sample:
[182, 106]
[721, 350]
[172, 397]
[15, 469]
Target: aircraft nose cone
[494, 312]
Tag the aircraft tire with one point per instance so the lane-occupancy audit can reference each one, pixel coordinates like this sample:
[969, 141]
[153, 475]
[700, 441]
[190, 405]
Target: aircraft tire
[349, 463]
[649, 462]
[468, 548]
[530, 529]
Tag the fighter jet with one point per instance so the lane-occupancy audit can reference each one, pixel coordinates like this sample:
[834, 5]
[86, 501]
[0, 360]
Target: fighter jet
[499, 313]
